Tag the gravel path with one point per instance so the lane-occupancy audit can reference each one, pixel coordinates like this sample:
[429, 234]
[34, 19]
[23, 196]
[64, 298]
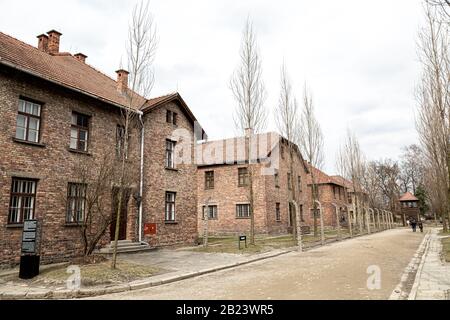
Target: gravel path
[337, 271]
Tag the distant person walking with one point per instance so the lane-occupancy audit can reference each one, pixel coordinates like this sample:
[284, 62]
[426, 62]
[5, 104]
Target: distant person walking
[414, 225]
[421, 226]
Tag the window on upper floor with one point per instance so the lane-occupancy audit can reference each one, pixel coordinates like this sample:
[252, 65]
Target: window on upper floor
[28, 121]
[170, 154]
[22, 200]
[171, 117]
[120, 141]
[299, 182]
[79, 132]
[209, 180]
[243, 177]
[170, 206]
[277, 179]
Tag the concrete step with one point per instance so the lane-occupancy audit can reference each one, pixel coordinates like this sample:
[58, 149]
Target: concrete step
[126, 247]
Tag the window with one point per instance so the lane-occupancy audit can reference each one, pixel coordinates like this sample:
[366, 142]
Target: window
[277, 180]
[334, 191]
[301, 214]
[289, 177]
[209, 180]
[79, 132]
[76, 202]
[170, 206]
[243, 211]
[282, 152]
[278, 212]
[22, 201]
[299, 181]
[28, 121]
[171, 117]
[170, 151]
[120, 141]
[243, 177]
[212, 212]
[175, 118]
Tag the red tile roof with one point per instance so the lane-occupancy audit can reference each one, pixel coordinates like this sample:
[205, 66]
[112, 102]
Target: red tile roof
[408, 197]
[322, 178]
[63, 69]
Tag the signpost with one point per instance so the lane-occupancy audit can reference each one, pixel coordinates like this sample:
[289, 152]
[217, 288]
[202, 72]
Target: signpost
[241, 239]
[29, 260]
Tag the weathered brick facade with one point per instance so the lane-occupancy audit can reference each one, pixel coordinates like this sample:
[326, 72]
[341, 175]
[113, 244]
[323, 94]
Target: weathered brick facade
[50, 162]
[332, 193]
[158, 179]
[29, 73]
[227, 193]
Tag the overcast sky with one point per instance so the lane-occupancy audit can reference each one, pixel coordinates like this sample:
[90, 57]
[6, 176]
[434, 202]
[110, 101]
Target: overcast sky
[357, 56]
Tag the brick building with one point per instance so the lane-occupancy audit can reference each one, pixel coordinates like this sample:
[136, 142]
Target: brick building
[333, 195]
[57, 111]
[223, 185]
[409, 206]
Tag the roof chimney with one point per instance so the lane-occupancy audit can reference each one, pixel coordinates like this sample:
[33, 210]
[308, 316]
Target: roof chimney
[43, 42]
[81, 57]
[122, 79]
[53, 42]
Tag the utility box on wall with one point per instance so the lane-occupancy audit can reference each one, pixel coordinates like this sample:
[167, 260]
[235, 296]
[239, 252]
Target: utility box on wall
[29, 261]
[150, 229]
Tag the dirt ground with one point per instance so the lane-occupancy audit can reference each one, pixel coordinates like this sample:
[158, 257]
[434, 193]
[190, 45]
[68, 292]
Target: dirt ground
[337, 271]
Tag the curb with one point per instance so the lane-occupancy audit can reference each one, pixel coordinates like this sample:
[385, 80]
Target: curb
[148, 283]
[136, 285]
[413, 293]
[398, 293]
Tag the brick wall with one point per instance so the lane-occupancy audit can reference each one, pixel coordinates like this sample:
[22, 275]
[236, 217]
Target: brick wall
[52, 163]
[158, 179]
[227, 194]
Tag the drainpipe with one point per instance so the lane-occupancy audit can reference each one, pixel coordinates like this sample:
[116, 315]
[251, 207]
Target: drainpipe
[141, 185]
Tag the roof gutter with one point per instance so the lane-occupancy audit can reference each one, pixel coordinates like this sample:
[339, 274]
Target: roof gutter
[14, 66]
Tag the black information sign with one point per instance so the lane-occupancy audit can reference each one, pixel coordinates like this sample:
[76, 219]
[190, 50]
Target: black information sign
[242, 238]
[29, 237]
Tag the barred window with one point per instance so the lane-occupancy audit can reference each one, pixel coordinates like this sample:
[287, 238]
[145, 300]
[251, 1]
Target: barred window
[212, 212]
[277, 180]
[243, 211]
[209, 180]
[76, 202]
[243, 177]
[170, 206]
[22, 201]
[170, 152]
[277, 212]
[28, 121]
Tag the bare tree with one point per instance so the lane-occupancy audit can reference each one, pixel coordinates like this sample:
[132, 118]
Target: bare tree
[286, 117]
[353, 163]
[247, 85]
[311, 144]
[433, 122]
[411, 168]
[141, 49]
[442, 5]
[249, 92]
[87, 199]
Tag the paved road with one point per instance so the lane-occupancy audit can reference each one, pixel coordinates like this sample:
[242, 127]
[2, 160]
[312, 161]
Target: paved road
[337, 271]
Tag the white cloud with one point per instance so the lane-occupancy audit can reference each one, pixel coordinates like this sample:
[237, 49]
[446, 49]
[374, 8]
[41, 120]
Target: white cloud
[358, 57]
